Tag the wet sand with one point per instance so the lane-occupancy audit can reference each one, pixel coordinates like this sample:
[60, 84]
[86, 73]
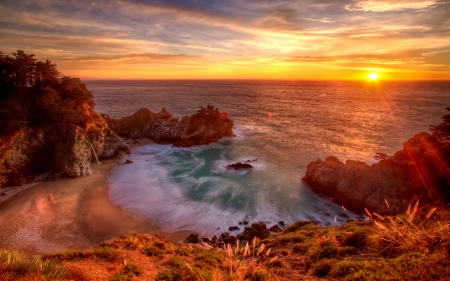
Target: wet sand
[69, 213]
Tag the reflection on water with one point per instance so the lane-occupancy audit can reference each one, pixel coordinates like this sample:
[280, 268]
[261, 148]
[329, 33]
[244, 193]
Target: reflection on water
[190, 189]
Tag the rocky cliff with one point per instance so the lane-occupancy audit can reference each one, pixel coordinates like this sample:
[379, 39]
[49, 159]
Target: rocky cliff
[204, 127]
[420, 171]
[33, 151]
[47, 123]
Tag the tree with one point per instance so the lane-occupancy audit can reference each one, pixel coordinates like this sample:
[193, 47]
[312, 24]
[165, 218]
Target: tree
[442, 131]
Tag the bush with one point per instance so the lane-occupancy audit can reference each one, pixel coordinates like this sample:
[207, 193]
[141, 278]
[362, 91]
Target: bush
[165, 275]
[153, 251]
[323, 267]
[212, 257]
[132, 268]
[105, 252]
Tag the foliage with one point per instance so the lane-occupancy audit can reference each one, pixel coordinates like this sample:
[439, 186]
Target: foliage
[41, 91]
[208, 110]
[398, 234]
[442, 131]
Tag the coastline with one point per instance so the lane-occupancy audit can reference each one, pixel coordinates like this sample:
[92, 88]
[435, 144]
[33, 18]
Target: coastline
[68, 213]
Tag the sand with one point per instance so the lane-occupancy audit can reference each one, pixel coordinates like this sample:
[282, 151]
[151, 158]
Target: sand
[69, 213]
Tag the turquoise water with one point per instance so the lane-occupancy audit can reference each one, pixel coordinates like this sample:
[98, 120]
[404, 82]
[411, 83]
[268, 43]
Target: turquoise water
[190, 188]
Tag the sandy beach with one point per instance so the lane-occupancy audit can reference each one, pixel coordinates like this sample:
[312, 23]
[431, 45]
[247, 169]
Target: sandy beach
[69, 213]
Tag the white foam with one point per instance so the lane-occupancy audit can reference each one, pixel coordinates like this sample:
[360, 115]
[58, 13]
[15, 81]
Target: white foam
[148, 189]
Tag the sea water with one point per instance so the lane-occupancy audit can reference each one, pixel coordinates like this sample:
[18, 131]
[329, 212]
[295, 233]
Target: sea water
[282, 124]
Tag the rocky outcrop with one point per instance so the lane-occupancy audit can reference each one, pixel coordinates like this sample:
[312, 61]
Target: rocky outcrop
[34, 153]
[34, 149]
[204, 127]
[421, 171]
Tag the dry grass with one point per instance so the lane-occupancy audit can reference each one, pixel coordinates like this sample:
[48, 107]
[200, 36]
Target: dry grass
[248, 261]
[409, 232]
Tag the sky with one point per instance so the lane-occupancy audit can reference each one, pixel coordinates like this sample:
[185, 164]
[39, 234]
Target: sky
[233, 39]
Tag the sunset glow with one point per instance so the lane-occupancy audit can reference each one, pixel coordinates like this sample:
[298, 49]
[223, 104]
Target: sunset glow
[153, 39]
[373, 76]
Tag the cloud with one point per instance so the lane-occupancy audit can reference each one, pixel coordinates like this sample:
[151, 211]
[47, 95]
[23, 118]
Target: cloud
[202, 34]
[389, 5]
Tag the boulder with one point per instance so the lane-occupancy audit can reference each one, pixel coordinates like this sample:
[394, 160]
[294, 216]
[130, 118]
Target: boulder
[230, 240]
[418, 172]
[233, 228]
[194, 238]
[258, 229]
[128, 162]
[239, 166]
[275, 228]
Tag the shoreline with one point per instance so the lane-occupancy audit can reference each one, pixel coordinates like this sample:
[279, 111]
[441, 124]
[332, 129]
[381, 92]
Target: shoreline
[68, 214]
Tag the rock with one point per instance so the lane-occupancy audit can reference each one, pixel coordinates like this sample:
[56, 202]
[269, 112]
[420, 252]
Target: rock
[233, 228]
[224, 234]
[206, 240]
[239, 166]
[257, 229]
[204, 127]
[35, 153]
[230, 240]
[418, 172]
[245, 222]
[194, 238]
[247, 161]
[281, 223]
[275, 228]
[128, 162]
[132, 126]
[215, 240]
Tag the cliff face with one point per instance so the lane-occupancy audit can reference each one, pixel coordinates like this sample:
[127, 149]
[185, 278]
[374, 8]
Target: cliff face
[34, 153]
[204, 127]
[33, 148]
[421, 171]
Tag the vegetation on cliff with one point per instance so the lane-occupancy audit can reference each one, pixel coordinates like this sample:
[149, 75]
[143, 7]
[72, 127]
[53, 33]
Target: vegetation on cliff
[47, 123]
[412, 246]
[36, 91]
[442, 131]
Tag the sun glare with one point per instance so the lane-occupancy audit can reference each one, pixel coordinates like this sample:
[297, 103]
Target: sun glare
[373, 76]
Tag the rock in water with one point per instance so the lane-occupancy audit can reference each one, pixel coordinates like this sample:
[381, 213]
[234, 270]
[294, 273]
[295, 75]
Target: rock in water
[418, 172]
[204, 127]
[239, 166]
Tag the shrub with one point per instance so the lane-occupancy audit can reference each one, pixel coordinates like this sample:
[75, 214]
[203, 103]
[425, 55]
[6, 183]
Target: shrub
[153, 251]
[17, 265]
[323, 267]
[132, 268]
[105, 252]
[165, 275]
[212, 258]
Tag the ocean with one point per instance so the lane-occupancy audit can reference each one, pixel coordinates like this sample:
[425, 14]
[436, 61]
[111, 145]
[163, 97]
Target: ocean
[190, 188]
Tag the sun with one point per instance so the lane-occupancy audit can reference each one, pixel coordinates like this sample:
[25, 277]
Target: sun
[373, 76]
